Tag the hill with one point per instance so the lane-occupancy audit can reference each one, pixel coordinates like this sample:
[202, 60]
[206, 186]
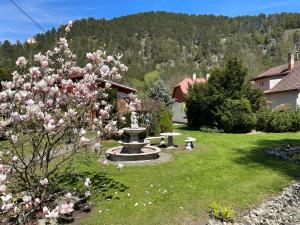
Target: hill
[177, 44]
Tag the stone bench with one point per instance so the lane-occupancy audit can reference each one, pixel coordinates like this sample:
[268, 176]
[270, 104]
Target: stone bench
[189, 143]
[162, 139]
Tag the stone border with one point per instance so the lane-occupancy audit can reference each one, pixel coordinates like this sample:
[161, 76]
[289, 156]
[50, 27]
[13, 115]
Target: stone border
[281, 210]
[164, 157]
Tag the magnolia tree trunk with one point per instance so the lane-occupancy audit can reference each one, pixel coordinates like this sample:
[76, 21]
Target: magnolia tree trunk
[50, 103]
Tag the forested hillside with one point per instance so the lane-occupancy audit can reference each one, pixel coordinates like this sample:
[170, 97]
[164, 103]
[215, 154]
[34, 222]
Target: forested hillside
[175, 45]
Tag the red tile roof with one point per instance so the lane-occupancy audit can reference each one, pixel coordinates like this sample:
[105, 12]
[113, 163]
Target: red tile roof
[185, 83]
[181, 89]
[291, 80]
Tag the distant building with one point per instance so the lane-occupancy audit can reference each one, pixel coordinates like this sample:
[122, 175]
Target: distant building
[281, 84]
[179, 92]
[123, 92]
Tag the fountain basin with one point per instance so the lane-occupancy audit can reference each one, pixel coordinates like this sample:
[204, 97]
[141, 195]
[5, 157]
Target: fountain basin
[134, 146]
[145, 153]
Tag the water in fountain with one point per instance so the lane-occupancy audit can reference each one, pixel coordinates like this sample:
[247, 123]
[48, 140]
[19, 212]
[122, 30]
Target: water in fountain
[135, 148]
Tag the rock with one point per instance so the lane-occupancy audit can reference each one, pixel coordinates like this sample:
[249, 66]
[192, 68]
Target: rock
[281, 210]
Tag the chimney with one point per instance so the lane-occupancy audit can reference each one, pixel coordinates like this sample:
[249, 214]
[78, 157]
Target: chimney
[194, 77]
[207, 76]
[291, 61]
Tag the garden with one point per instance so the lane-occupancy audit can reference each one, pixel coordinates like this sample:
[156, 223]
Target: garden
[228, 169]
[58, 119]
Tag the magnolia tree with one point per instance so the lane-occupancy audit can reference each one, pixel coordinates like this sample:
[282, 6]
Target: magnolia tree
[50, 105]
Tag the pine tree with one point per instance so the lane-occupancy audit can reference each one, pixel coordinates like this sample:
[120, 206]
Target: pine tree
[161, 93]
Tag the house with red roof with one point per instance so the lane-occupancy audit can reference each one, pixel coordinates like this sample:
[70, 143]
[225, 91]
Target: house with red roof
[179, 92]
[281, 84]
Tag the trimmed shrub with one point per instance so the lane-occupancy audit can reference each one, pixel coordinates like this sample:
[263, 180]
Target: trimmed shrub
[236, 116]
[281, 119]
[165, 122]
[264, 118]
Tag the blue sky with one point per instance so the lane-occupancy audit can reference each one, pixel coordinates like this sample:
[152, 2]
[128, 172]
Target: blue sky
[52, 13]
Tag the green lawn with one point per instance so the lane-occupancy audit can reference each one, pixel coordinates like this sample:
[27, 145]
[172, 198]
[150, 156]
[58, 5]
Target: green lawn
[230, 169]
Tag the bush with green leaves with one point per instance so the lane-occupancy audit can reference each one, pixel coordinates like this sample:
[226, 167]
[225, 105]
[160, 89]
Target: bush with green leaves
[165, 122]
[204, 101]
[283, 119]
[236, 116]
[224, 214]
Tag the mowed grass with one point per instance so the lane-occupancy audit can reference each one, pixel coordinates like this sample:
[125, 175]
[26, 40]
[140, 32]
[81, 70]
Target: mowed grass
[230, 169]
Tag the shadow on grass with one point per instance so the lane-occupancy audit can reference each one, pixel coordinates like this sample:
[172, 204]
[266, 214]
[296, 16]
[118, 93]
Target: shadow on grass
[256, 156]
[102, 184]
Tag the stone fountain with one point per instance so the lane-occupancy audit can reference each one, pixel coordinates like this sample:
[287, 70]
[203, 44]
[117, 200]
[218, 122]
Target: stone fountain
[135, 149]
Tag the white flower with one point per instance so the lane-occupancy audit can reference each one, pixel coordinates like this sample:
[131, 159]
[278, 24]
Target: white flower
[120, 166]
[104, 70]
[123, 68]
[6, 198]
[44, 182]
[68, 195]
[136, 204]
[87, 182]
[15, 159]
[105, 162]
[31, 41]
[2, 178]
[2, 188]
[87, 194]
[82, 132]
[52, 215]
[27, 198]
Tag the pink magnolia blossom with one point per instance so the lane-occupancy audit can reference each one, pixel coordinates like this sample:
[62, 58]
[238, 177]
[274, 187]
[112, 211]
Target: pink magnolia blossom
[21, 62]
[2, 178]
[110, 58]
[27, 198]
[7, 206]
[2, 188]
[104, 70]
[66, 208]
[84, 140]
[44, 182]
[68, 195]
[51, 214]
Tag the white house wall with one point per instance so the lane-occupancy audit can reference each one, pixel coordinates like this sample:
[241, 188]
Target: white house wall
[178, 110]
[285, 97]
